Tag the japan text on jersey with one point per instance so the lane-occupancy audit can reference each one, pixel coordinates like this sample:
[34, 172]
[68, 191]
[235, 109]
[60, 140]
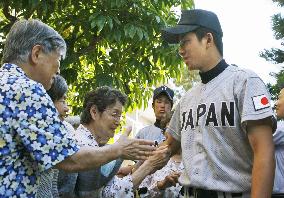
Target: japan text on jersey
[226, 112]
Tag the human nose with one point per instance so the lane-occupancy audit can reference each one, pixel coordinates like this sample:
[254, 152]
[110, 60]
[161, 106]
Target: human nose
[117, 121]
[116, 118]
[181, 51]
[163, 104]
[67, 108]
[275, 105]
[58, 71]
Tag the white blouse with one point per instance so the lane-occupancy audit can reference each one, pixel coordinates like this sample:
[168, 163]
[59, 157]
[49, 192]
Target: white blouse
[150, 182]
[116, 187]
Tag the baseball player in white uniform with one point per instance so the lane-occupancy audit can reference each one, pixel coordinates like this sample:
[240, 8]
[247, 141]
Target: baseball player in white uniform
[162, 105]
[224, 124]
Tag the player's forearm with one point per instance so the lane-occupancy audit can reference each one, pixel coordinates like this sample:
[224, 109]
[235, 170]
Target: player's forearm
[90, 157]
[260, 138]
[263, 174]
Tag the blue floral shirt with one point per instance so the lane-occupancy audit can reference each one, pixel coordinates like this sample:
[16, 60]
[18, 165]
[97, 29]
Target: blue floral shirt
[32, 138]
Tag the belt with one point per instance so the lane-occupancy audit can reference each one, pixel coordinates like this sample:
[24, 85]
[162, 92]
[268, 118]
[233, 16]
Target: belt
[280, 195]
[202, 193]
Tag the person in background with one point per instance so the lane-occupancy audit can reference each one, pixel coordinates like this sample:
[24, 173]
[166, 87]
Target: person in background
[162, 105]
[32, 137]
[61, 181]
[58, 95]
[278, 138]
[100, 118]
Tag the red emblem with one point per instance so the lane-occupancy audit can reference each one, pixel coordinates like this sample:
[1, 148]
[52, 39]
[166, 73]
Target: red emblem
[264, 101]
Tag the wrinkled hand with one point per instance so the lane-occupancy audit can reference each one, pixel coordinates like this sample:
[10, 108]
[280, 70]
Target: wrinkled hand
[134, 149]
[159, 158]
[170, 180]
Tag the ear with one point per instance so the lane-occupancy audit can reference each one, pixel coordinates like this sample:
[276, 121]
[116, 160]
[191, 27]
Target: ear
[94, 112]
[210, 39]
[36, 54]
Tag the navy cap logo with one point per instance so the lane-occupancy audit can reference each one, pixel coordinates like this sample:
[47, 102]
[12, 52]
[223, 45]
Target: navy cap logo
[163, 89]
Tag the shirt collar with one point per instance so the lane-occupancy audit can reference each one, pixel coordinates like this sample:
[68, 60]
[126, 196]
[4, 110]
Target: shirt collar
[214, 72]
[13, 68]
[158, 125]
[85, 137]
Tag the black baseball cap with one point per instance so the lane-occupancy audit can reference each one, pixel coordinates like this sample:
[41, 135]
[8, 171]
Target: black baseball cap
[165, 90]
[190, 20]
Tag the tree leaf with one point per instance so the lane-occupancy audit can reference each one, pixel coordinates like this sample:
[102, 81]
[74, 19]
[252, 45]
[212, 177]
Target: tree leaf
[139, 33]
[110, 23]
[132, 31]
[101, 22]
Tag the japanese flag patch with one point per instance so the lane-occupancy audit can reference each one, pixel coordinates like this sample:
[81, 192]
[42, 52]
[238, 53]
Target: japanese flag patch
[260, 102]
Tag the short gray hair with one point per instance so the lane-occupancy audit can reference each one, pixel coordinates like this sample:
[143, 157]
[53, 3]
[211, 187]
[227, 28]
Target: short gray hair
[25, 34]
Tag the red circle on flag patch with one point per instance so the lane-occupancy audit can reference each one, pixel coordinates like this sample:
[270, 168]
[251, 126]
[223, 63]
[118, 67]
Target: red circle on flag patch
[264, 101]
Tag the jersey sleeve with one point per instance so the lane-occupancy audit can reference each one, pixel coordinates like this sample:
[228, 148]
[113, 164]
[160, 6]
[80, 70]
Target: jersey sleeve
[142, 133]
[42, 134]
[254, 101]
[138, 135]
[174, 127]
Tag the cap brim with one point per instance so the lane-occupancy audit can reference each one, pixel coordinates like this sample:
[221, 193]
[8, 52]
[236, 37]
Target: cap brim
[171, 35]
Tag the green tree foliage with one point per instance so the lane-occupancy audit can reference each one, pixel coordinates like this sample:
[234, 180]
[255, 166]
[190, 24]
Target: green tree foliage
[275, 55]
[110, 42]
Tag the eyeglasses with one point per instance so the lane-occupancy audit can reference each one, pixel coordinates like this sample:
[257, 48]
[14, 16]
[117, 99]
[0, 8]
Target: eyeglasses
[114, 115]
[63, 101]
[182, 43]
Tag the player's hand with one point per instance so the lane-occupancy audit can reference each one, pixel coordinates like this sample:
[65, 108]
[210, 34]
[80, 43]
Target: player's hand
[134, 149]
[170, 180]
[159, 158]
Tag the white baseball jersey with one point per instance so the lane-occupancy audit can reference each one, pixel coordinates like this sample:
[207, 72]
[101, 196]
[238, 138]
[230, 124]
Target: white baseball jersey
[151, 132]
[210, 123]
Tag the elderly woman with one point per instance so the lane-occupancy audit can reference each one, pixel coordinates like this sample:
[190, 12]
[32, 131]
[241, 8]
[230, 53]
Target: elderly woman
[99, 120]
[59, 186]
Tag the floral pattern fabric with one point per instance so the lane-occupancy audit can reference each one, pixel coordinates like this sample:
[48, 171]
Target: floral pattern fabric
[32, 138]
[150, 182]
[116, 187]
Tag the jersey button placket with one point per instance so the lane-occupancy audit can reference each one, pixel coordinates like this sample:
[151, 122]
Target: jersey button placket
[202, 93]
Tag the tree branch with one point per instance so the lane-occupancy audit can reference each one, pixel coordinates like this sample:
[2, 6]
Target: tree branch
[6, 13]
[91, 45]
